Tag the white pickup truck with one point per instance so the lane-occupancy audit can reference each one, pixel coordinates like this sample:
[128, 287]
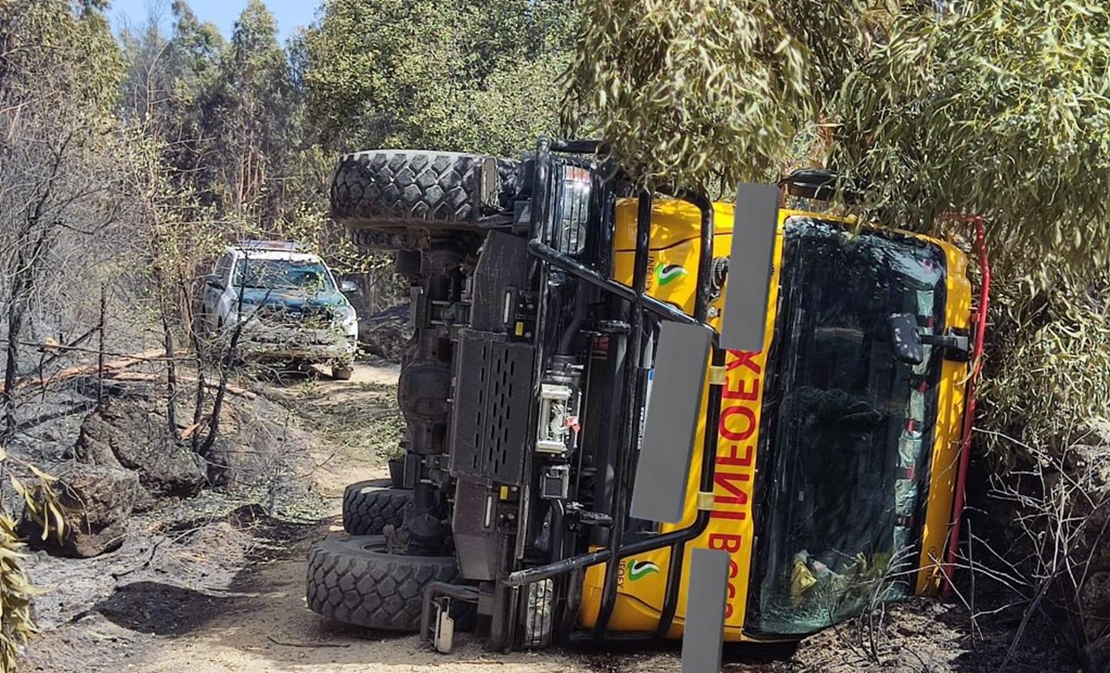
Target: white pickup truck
[288, 302]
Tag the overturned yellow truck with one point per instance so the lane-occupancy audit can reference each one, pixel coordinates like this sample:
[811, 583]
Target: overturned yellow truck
[827, 465]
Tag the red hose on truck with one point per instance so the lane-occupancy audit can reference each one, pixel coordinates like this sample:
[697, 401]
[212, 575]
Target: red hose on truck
[969, 415]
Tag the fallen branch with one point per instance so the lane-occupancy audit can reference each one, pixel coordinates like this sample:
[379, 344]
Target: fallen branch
[82, 370]
[148, 356]
[188, 432]
[139, 376]
[288, 644]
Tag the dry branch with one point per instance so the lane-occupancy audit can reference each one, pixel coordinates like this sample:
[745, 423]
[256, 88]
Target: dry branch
[82, 370]
[139, 376]
[317, 644]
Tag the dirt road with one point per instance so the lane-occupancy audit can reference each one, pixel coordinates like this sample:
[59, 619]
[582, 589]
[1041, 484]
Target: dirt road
[273, 631]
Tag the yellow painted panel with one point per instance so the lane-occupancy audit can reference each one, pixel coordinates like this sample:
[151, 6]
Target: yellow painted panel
[950, 418]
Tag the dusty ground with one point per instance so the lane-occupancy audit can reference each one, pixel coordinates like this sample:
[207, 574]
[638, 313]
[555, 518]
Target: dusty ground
[214, 584]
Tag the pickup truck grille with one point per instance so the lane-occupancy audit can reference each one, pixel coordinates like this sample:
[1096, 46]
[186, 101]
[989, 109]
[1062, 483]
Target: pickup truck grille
[282, 315]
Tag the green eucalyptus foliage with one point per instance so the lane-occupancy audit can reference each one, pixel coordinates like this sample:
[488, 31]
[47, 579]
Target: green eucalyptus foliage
[688, 92]
[50, 49]
[997, 108]
[991, 107]
[1047, 382]
[1000, 109]
[702, 93]
[462, 75]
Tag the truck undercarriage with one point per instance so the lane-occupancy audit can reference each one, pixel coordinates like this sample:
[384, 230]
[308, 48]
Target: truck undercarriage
[522, 356]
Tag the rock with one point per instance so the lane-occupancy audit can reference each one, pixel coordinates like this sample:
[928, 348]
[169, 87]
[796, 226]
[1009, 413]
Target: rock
[385, 334]
[144, 501]
[93, 446]
[234, 468]
[128, 434]
[98, 501]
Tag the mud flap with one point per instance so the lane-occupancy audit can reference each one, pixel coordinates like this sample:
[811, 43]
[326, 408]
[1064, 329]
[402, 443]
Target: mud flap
[444, 637]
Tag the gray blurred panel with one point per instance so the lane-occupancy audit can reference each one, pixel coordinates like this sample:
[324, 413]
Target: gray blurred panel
[703, 635]
[659, 491]
[749, 267]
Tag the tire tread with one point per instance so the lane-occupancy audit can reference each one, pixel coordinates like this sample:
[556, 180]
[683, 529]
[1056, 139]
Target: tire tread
[367, 510]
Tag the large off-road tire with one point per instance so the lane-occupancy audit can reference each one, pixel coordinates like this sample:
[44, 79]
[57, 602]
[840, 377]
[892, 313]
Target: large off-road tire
[368, 509]
[392, 190]
[352, 580]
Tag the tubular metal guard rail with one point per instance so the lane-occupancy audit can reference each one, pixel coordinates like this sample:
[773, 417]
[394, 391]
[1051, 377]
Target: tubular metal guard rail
[676, 540]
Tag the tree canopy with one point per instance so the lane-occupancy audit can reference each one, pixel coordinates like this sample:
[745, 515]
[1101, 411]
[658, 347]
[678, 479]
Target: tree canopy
[465, 75]
[989, 107]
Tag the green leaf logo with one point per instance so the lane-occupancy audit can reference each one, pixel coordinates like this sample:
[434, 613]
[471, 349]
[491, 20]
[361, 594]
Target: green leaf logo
[640, 569]
[665, 274]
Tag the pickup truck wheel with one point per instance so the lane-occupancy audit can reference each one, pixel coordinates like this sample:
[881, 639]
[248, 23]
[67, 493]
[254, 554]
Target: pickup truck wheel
[368, 509]
[354, 581]
[390, 190]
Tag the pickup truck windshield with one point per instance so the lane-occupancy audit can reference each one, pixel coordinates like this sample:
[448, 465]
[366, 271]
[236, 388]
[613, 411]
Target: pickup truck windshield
[280, 274]
[848, 429]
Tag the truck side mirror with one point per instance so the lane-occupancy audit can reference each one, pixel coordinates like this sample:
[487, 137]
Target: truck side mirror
[348, 287]
[214, 281]
[904, 339]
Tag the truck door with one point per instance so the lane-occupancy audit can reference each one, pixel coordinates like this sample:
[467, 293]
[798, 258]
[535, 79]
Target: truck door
[213, 293]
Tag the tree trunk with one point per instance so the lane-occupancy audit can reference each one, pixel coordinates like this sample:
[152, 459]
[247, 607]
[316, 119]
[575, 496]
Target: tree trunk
[221, 391]
[23, 282]
[171, 374]
[15, 326]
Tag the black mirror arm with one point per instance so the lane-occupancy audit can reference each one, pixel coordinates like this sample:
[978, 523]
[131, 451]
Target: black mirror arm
[951, 341]
[956, 346]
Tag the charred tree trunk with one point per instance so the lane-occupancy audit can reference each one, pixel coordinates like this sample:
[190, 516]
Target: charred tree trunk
[23, 283]
[171, 374]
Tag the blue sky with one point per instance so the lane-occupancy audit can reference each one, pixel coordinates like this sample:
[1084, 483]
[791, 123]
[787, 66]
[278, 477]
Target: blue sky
[223, 13]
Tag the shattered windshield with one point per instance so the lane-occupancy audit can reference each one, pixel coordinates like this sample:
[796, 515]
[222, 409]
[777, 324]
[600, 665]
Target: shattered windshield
[848, 426]
[280, 274]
